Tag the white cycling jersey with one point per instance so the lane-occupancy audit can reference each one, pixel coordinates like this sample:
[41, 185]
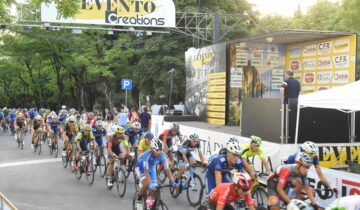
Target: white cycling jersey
[351, 202]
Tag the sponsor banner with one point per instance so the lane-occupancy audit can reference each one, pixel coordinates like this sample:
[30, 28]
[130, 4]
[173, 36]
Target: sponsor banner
[277, 79]
[341, 76]
[309, 50]
[257, 62]
[272, 56]
[324, 63]
[295, 65]
[242, 62]
[341, 61]
[298, 76]
[237, 84]
[216, 95]
[319, 88]
[216, 114]
[341, 46]
[278, 72]
[273, 49]
[256, 48]
[243, 56]
[257, 56]
[295, 52]
[307, 89]
[143, 13]
[309, 78]
[309, 64]
[325, 47]
[272, 62]
[215, 108]
[276, 86]
[217, 75]
[216, 101]
[216, 121]
[217, 82]
[216, 88]
[324, 77]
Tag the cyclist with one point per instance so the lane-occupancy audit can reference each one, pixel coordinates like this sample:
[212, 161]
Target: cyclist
[145, 142]
[114, 150]
[290, 176]
[71, 130]
[345, 203]
[221, 164]
[145, 168]
[63, 113]
[83, 140]
[250, 150]
[311, 149]
[225, 194]
[54, 127]
[99, 132]
[133, 133]
[184, 154]
[20, 123]
[167, 136]
[37, 126]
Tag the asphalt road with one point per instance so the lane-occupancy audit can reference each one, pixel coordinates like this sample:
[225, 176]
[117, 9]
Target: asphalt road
[38, 182]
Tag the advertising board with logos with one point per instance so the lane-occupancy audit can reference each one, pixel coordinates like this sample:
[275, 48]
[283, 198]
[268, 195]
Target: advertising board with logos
[323, 64]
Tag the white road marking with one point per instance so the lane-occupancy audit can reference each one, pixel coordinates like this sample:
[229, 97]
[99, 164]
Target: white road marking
[29, 162]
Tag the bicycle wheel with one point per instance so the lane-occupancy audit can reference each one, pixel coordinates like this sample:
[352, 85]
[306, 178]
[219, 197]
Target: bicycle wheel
[120, 182]
[160, 205]
[136, 180]
[134, 202]
[56, 150]
[95, 161]
[51, 146]
[161, 174]
[39, 148]
[64, 160]
[128, 165]
[260, 195]
[78, 171]
[175, 193]
[89, 171]
[195, 190]
[102, 165]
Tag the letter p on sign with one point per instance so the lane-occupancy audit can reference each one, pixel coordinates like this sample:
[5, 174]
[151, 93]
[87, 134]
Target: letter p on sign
[126, 84]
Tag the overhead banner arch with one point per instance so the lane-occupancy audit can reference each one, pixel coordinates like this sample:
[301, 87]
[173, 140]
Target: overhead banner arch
[137, 13]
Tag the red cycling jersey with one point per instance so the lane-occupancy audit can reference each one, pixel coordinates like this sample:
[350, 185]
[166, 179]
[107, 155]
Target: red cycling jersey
[285, 173]
[224, 194]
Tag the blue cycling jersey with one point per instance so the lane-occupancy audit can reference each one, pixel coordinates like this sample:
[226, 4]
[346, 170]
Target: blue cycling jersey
[133, 137]
[98, 134]
[292, 159]
[147, 161]
[53, 124]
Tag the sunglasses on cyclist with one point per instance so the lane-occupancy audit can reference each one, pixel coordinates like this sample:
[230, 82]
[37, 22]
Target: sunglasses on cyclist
[158, 150]
[245, 190]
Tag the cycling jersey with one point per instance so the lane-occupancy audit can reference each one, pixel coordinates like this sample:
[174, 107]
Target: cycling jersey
[63, 113]
[247, 152]
[143, 145]
[220, 163]
[133, 136]
[147, 162]
[71, 128]
[186, 148]
[224, 194]
[345, 203]
[291, 159]
[37, 125]
[114, 144]
[54, 125]
[98, 135]
[166, 136]
[84, 140]
[20, 122]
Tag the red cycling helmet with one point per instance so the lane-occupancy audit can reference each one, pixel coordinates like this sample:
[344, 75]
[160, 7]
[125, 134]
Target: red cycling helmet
[242, 180]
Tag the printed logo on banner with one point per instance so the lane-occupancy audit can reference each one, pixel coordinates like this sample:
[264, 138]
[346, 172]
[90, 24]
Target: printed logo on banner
[272, 62]
[325, 47]
[298, 76]
[309, 78]
[257, 62]
[272, 49]
[350, 187]
[342, 45]
[279, 72]
[320, 88]
[276, 86]
[324, 63]
[341, 76]
[341, 61]
[256, 55]
[242, 55]
[272, 56]
[309, 50]
[324, 77]
[295, 52]
[241, 62]
[307, 89]
[309, 64]
[256, 49]
[295, 65]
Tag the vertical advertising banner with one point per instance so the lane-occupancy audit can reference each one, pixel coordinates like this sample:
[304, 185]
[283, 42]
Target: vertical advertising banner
[256, 71]
[206, 83]
[323, 64]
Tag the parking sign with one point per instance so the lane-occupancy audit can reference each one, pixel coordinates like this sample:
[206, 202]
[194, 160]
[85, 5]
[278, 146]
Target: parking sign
[126, 84]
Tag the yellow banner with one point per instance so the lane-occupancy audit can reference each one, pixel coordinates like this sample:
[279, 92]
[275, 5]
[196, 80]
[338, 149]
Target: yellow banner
[216, 88]
[215, 108]
[216, 114]
[216, 95]
[217, 75]
[216, 101]
[331, 156]
[217, 82]
[323, 64]
[216, 121]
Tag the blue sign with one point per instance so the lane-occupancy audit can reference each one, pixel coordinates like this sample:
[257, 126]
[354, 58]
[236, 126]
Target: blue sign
[126, 84]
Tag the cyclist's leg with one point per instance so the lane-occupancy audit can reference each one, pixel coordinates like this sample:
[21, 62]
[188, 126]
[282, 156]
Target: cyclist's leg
[210, 181]
[40, 134]
[274, 198]
[182, 168]
[32, 136]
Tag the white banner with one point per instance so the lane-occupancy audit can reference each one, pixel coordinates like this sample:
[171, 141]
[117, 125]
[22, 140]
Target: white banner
[143, 13]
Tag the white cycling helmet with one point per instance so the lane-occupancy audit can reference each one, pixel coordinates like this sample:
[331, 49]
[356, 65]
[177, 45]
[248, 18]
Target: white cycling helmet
[72, 119]
[304, 158]
[136, 125]
[234, 139]
[38, 117]
[309, 147]
[233, 147]
[156, 144]
[63, 107]
[296, 204]
[99, 123]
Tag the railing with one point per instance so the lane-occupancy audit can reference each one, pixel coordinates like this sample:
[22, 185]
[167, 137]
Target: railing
[5, 204]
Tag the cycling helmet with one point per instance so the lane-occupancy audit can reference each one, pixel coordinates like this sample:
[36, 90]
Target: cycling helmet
[309, 147]
[119, 129]
[194, 137]
[47, 111]
[304, 158]
[255, 140]
[38, 117]
[136, 125]
[20, 115]
[242, 180]
[149, 135]
[78, 116]
[97, 118]
[296, 204]
[99, 123]
[4, 108]
[233, 148]
[54, 117]
[156, 144]
[87, 127]
[175, 127]
[234, 139]
[72, 119]
[72, 110]
[63, 107]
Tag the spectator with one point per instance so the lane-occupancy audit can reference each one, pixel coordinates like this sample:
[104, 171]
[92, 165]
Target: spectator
[133, 116]
[290, 88]
[145, 120]
[123, 119]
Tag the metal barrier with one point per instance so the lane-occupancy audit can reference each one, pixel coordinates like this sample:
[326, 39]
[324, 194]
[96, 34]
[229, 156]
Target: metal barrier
[5, 204]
